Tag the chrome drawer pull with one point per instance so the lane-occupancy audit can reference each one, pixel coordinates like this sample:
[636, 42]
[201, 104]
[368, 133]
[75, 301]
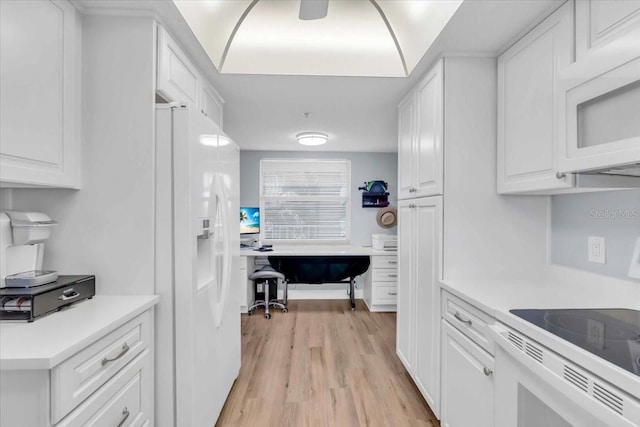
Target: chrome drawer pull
[392, 275]
[393, 262]
[457, 316]
[69, 294]
[487, 371]
[392, 293]
[125, 349]
[125, 415]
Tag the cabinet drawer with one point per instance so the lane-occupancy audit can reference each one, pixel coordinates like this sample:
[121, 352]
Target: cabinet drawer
[385, 275]
[385, 294]
[78, 377]
[384, 261]
[121, 402]
[469, 320]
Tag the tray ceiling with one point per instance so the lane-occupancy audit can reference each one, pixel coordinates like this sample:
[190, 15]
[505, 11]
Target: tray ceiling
[373, 38]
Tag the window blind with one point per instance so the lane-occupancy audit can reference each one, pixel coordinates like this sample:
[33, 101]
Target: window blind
[305, 199]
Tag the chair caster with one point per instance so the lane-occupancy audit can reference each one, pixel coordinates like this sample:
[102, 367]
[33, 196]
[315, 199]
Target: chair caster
[267, 316]
[285, 310]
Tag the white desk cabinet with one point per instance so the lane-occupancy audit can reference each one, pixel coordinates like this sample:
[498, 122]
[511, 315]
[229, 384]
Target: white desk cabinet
[420, 137]
[98, 371]
[419, 269]
[40, 86]
[467, 364]
[527, 112]
[381, 284]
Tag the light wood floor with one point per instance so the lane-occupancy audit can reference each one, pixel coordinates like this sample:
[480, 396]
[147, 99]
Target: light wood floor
[321, 364]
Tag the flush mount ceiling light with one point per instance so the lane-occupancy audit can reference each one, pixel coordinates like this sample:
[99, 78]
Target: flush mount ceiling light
[377, 38]
[312, 138]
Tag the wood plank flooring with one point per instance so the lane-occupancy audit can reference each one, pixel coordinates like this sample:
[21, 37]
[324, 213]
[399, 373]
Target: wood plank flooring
[321, 364]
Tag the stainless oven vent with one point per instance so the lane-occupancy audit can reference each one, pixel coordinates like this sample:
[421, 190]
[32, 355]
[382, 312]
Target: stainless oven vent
[608, 398]
[576, 378]
[534, 352]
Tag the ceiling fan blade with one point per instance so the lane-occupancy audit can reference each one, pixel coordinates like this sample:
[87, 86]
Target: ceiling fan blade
[313, 9]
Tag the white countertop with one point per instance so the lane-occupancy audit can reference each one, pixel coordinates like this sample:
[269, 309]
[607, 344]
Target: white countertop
[50, 340]
[316, 250]
[573, 290]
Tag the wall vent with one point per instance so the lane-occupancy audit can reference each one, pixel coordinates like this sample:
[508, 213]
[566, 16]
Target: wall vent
[576, 378]
[534, 352]
[608, 398]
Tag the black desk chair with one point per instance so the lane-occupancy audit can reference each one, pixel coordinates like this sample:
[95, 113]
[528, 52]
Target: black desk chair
[263, 276]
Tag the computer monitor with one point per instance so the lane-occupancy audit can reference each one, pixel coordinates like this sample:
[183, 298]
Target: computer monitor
[249, 220]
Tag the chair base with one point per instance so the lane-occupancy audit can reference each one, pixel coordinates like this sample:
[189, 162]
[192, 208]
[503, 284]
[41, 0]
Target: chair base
[261, 303]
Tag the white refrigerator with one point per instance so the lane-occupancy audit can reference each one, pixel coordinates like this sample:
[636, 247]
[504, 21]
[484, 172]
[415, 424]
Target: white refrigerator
[197, 267]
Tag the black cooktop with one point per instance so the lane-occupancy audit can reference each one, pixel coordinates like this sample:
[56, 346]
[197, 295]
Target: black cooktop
[613, 334]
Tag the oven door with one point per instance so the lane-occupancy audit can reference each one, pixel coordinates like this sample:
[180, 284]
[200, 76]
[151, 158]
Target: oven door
[529, 392]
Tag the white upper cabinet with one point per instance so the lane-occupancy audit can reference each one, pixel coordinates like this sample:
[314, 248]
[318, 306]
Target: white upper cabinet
[527, 112]
[601, 21]
[211, 104]
[178, 80]
[40, 88]
[421, 123]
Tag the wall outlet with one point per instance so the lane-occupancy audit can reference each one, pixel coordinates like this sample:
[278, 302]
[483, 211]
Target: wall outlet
[597, 249]
[634, 268]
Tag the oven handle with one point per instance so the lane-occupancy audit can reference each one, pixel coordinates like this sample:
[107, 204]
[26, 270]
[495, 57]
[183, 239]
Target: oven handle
[500, 335]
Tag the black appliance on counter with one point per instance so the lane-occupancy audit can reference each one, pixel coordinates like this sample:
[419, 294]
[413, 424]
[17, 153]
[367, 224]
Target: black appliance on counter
[612, 334]
[29, 303]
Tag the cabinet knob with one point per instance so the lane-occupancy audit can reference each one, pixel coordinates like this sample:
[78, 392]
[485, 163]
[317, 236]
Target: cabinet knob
[487, 371]
[561, 175]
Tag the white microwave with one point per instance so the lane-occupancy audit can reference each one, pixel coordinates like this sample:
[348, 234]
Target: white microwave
[599, 107]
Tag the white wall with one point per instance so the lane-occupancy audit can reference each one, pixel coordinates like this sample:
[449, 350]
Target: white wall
[364, 167]
[485, 235]
[107, 227]
[614, 215]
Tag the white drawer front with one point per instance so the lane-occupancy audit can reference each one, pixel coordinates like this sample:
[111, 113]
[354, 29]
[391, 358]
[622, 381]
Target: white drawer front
[468, 319]
[78, 377]
[121, 402]
[385, 275]
[384, 261]
[385, 294]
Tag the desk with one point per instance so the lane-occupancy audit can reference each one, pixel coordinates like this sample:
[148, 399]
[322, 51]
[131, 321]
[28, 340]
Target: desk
[379, 290]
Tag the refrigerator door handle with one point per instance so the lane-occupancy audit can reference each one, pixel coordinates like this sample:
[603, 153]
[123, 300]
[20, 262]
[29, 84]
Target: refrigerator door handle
[226, 263]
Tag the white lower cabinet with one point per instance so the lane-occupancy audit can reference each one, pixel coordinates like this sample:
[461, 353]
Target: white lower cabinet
[467, 381]
[107, 383]
[381, 283]
[419, 269]
[467, 364]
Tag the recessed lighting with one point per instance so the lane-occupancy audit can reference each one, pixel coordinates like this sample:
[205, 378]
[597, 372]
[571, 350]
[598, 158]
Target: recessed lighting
[312, 138]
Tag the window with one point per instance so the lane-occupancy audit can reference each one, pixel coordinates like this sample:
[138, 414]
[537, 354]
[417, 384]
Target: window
[305, 200]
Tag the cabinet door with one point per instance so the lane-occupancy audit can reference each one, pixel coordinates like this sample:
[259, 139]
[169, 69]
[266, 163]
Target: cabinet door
[406, 112]
[211, 104]
[598, 22]
[427, 215]
[527, 111]
[39, 83]
[467, 381]
[429, 161]
[178, 80]
[406, 252]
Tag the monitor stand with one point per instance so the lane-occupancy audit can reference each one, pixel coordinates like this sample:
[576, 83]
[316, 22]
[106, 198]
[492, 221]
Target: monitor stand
[248, 241]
